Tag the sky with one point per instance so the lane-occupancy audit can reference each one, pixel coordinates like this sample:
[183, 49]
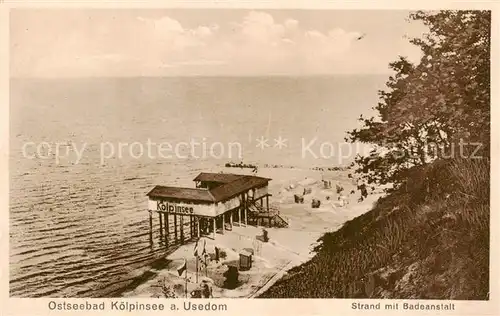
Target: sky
[211, 42]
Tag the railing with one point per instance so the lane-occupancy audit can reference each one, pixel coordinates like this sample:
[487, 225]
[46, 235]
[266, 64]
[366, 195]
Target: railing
[273, 215]
[257, 208]
[279, 221]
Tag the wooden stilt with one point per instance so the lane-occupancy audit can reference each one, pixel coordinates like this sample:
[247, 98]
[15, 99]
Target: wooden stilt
[151, 227]
[182, 228]
[245, 199]
[223, 222]
[191, 227]
[231, 218]
[240, 218]
[198, 226]
[165, 228]
[175, 227]
[267, 203]
[245, 209]
[213, 221]
[160, 215]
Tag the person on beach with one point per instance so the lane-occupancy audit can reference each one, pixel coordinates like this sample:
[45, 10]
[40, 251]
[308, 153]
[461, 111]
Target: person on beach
[216, 254]
[343, 200]
[339, 188]
[206, 291]
[364, 192]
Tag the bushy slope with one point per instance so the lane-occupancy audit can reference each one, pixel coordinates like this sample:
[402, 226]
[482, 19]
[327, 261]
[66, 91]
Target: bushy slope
[429, 240]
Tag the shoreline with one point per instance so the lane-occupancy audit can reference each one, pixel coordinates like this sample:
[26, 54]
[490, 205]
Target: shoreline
[286, 249]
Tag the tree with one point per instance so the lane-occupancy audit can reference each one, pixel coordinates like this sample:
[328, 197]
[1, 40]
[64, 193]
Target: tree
[431, 106]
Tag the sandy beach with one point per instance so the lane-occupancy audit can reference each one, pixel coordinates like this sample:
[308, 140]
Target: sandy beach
[286, 248]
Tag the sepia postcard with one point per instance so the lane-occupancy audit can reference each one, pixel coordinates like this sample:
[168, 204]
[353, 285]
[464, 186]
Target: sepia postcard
[184, 157]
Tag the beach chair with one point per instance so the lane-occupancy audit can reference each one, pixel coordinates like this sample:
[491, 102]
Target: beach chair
[315, 203]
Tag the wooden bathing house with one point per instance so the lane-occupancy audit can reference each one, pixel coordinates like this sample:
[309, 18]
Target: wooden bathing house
[216, 203]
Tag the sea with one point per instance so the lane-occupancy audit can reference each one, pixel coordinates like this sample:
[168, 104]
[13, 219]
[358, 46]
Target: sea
[85, 151]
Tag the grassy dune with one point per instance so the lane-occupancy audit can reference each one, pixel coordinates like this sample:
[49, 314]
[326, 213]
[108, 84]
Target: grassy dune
[429, 240]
